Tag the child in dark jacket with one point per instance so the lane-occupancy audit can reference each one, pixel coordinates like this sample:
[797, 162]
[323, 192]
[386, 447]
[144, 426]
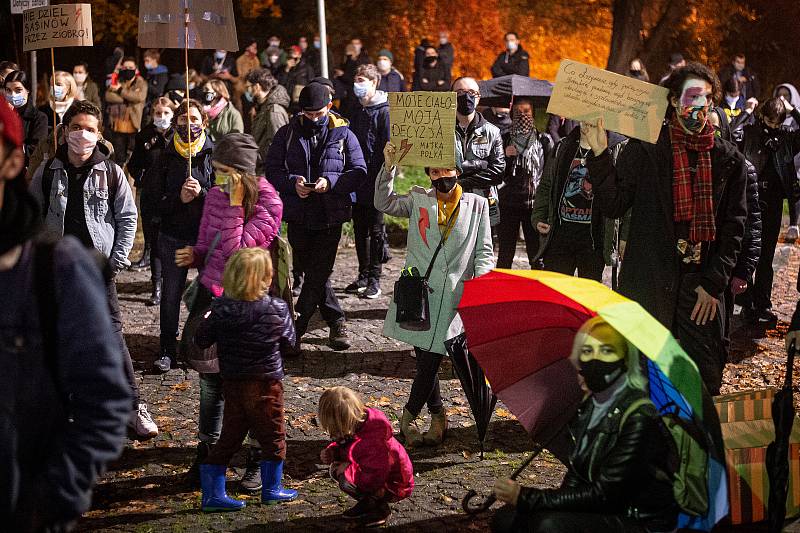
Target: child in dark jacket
[251, 329]
[366, 460]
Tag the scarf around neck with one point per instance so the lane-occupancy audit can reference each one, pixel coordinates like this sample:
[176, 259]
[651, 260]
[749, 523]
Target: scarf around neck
[445, 209]
[693, 200]
[183, 148]
[216, 109]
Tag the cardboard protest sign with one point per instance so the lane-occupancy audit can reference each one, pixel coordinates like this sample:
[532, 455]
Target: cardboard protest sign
[628, 106]
[57, 26]
[211, 24]
[19, 6]
[423, 127]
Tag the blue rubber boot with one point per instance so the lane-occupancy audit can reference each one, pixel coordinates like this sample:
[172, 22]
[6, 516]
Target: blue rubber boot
[272, 491]
[212, 483]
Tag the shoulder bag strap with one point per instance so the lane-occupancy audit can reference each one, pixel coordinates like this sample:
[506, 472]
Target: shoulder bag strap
[444, 237]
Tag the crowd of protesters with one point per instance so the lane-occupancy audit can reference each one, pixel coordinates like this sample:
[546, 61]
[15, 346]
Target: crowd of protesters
[263, 139]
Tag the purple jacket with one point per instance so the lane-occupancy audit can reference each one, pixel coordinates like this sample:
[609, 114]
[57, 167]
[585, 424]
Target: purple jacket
[220, 217]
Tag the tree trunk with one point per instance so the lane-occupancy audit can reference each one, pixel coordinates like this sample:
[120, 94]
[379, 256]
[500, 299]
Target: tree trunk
[654, 47]
[625, 34]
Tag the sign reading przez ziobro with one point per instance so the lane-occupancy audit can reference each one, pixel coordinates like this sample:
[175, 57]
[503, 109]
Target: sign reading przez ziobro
[57, 26]
[423, 127]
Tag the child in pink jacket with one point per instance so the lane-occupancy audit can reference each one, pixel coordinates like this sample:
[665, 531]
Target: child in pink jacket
[366, 460]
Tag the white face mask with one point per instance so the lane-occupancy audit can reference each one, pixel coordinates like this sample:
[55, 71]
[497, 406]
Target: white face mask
[384, 65]
[80, 78]
[162, 123]
[82, 142]
[731, 100]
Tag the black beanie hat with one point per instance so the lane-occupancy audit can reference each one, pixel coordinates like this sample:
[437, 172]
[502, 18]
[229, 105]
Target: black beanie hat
[314, 97]
[237, 150]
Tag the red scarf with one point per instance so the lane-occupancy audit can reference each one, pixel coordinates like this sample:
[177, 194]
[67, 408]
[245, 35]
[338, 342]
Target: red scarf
[693, 202]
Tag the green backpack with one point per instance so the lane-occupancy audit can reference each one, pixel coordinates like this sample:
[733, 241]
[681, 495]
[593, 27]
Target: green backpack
[689, 471]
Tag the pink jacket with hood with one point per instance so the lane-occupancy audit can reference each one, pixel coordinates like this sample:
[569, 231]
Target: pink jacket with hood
[377, 460]
[219, 217]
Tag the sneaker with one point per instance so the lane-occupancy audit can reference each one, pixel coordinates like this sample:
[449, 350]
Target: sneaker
[251, 479]
[142, 423]
[379, 515]
[766, 316]
[337, 339]
[373, 289]
[357, 286]
[163, 363]
[362, 508]
[792, 234]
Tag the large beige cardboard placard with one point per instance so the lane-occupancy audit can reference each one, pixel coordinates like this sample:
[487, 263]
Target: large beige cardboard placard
[628, 106]
[423, 126]
[57, 26]
[211, 24]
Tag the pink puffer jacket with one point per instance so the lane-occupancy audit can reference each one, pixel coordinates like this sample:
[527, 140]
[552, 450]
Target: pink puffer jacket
[220, 217]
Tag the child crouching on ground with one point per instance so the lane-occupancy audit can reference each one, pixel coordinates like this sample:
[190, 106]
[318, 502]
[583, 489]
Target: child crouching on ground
[251, 329]
[366, 460]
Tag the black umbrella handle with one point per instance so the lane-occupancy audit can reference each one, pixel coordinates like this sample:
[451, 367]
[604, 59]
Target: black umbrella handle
[787, 382]
[474, 508]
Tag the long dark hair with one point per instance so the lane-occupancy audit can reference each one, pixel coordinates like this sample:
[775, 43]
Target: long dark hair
[250, 185]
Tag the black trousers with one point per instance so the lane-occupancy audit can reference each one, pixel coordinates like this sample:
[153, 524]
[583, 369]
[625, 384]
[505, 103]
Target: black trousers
[425, 388]
[116, 323]
[771, 219]
[508, 520]
[173, 285]
[122, 143]
[150, 231]
[703, 343]
[571, 249]
[315, 250]
[370, 240]
[510, 220]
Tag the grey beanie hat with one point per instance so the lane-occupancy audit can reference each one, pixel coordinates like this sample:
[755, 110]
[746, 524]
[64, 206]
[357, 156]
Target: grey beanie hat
[237, 150]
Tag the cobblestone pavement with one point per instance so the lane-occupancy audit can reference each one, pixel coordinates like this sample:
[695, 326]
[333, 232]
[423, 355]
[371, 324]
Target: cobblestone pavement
[145, 489]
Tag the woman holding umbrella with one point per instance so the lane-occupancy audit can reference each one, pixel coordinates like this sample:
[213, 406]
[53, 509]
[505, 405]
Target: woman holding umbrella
[618, 476]
[460, 221]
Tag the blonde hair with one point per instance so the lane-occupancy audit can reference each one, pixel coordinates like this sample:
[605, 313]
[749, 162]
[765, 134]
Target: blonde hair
[247, 274]
[341, 410]
[66, 79]
[163, 101]
[220, 88]
[635, 378]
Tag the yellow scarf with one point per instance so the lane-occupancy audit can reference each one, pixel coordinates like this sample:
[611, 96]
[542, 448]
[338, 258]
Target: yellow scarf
[232, 185]
[183, 147]
[445, 209]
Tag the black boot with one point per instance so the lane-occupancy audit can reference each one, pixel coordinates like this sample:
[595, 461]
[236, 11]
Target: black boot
[144, 261]
[251, 479]
[193, 475]
[155, 297]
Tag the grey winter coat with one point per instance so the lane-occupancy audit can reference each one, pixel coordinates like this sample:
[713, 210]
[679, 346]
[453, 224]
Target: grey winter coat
[466, 254]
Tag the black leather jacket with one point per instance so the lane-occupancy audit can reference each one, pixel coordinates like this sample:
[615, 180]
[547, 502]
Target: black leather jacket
[621, 471]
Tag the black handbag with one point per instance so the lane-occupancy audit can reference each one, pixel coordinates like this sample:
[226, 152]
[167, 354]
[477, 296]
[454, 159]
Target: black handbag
[411, 291]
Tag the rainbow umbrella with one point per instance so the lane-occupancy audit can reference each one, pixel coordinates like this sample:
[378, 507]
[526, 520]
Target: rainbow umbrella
[520, 326]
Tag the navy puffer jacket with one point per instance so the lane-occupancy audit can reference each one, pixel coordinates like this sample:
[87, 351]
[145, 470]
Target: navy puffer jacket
[249, 337]
[371, 127]
[340, 161]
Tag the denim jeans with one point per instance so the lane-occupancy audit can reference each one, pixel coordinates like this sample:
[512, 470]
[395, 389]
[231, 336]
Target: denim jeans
[211, 407]
[173, 283]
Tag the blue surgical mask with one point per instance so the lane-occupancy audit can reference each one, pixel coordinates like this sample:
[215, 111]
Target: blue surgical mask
[317, 45]
[58, 92]
[162, 123]
[17, 99]
[360, 89]
[248, 96]
[219, 55]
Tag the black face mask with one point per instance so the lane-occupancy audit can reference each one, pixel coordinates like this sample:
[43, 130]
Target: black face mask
[599, 375]
[429, 61]
[126, 74]
[445, 185]
[465, 104]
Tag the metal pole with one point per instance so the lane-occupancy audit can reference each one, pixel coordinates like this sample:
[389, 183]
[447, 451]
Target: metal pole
[323, 38]
[55, 117]
[186, 64]
[34, 77]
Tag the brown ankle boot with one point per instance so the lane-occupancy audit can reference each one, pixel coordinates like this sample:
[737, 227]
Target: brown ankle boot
[409, 430]
[435, 435]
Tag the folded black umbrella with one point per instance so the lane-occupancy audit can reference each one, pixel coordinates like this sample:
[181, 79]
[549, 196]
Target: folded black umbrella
[473, 381]
[498, 92]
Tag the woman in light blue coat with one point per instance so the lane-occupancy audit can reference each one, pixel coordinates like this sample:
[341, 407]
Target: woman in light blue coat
[466, 253]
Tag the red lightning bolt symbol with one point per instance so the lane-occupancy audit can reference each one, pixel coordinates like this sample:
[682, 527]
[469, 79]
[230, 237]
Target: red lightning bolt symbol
[423, 224]
[77, 14]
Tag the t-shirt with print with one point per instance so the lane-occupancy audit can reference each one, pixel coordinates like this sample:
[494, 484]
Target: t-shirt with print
[576, 198]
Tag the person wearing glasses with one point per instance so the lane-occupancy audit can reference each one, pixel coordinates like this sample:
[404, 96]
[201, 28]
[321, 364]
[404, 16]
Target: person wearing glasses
[479, 147]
